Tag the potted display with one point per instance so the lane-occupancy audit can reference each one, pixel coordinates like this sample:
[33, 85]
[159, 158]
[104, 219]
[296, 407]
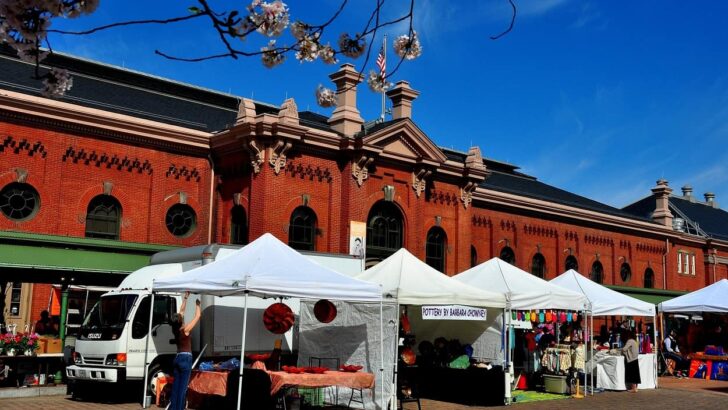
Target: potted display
[29, 343]
[10, 343]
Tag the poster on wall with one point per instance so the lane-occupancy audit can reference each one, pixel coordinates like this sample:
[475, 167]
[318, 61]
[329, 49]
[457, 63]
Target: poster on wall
[453, 312]
[357, 238]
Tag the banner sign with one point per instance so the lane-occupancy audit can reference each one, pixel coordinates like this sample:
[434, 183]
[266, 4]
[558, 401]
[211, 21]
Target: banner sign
[357, 238]
[453, 312]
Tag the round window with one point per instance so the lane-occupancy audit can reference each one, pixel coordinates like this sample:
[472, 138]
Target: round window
[19, 201]
[181, 220]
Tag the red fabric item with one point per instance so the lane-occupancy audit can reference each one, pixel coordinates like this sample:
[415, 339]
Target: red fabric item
[324, 310]
[358, 380]
[531, 342]
[278, 318]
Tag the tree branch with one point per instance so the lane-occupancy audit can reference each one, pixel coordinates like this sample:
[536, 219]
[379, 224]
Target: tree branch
[513, 21]
[127, 23]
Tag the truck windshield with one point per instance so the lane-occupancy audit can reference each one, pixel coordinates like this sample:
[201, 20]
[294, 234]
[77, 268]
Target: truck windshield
[107, 318]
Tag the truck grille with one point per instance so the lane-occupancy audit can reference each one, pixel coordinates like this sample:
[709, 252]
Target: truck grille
[93, 360]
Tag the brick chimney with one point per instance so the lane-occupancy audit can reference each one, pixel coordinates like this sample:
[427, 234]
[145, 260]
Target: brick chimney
[346, 118]
[402, 96]
[662, 214]
[710, 199]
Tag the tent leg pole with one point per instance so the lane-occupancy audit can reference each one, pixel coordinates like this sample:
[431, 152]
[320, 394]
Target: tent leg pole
[506, 354]
[146, 350]
[654, 351]
[591, 335]
[381, 352]
[396, 363]
[242, 350]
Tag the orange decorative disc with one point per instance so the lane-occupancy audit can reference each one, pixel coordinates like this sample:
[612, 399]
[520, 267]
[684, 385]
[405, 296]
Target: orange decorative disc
[408, 356]
[278, 318]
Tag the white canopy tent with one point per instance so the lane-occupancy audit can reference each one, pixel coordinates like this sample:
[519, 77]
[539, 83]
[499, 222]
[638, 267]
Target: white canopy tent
[269, 268]
[603, 301]
[712, 298]
[607, 302]
[409, 281]
[523, 291]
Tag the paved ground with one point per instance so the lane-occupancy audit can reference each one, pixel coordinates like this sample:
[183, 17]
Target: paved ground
[673, 394]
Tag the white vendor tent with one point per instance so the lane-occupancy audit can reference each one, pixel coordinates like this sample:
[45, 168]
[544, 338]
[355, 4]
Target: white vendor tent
[713, 298]
[604, 301]
[411, 281]
[269, 268]
[607, 302]
[407, 280]
[523, 290]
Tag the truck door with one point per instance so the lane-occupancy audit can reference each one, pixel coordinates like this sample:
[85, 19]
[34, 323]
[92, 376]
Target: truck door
[162, 340]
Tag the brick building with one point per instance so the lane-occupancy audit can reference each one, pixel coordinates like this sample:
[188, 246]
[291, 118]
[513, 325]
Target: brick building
[127, 164]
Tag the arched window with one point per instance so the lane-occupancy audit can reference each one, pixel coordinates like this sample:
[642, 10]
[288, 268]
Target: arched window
[625, 272]
[597, 272]
[538, 266]
[473, 256]
[19, 202]
[238, 226]
[508, 255]
[102, 217]
[649, 278]
[385, 231]
[302, 229]
[435, 248]
[571, 263]
[181, 220]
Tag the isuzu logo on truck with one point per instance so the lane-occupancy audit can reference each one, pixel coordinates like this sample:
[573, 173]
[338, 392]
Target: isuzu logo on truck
[94, 336]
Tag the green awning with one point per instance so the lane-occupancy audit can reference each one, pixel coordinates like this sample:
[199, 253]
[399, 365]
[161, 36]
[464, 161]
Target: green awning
[50, 252]
[653, 296]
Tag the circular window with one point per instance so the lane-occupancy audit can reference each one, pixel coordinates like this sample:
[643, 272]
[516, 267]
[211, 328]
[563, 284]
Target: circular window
[19, 201]
[625, 272]
[181, 220]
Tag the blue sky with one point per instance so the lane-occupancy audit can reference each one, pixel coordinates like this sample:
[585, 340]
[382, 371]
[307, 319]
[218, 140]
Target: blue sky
[600, 98]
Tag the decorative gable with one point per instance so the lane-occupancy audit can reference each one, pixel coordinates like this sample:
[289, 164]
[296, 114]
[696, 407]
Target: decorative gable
[404, 141]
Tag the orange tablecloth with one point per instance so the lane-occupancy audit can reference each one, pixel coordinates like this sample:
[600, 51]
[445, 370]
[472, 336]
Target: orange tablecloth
[202, 382]
[353, 380]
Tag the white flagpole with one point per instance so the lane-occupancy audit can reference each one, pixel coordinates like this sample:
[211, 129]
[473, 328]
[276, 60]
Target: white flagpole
[384, 78]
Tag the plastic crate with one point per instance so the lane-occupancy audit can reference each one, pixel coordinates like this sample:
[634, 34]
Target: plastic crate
[555, 384]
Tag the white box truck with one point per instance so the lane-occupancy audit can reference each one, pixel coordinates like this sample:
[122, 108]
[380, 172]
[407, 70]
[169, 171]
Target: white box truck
[112, 340]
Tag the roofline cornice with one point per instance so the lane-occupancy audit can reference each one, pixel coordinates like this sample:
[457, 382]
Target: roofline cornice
[117, 125]
[556, 209]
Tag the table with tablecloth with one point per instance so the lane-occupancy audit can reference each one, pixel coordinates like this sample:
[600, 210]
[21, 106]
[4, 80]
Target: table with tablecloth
[610, 371]
[352, 380]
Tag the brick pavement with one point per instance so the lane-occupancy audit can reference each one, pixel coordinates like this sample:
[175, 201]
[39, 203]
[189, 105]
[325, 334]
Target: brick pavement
[673, 394]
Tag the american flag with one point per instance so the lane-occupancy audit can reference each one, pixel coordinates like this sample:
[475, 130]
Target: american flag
[382, 63]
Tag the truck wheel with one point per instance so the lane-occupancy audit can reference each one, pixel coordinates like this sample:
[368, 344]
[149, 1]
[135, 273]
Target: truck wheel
[155, 368]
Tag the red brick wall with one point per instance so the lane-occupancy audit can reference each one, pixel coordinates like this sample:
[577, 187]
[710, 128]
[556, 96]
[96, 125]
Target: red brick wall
[66, 186]
[272, 199]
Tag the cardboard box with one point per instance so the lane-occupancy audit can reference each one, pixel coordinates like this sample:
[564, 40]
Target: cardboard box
[42, 345]
[54, 346]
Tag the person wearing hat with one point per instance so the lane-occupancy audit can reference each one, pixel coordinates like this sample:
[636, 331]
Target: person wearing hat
[183, 360]
[672, 351]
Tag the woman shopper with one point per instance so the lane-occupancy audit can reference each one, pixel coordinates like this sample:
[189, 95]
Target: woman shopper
[183, 360]
[631, 367]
